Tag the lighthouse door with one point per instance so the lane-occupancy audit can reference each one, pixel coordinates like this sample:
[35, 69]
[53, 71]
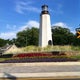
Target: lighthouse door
[49, 42]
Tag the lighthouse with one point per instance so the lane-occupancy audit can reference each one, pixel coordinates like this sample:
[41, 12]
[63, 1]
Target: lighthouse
[45, 34]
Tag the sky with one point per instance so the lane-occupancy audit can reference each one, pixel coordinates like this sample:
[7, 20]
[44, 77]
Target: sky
[16, 15]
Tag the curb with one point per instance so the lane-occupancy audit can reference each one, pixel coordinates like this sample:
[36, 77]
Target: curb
[39, 64]
[39, 75]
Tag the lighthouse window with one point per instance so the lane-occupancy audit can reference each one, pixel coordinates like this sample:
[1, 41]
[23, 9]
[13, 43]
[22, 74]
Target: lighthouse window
[45, 9]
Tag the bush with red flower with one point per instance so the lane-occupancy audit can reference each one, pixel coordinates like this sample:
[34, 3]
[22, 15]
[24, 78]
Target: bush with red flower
[22, 55]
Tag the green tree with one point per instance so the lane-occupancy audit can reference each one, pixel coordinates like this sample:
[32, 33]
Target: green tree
[76, 41]
[2, 42]
[62, 36]
[32, 36]
[29, 36]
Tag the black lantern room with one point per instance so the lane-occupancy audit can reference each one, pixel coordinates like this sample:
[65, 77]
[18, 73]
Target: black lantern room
[45, 9]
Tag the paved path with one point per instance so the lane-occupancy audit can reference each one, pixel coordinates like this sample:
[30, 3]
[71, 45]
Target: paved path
[40, 70]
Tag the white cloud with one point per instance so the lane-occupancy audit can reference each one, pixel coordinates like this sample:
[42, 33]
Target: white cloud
[64, 25]
[30, 24]
[73, 31]
[11, 27]
[22, 6]
[59, 8]
[8, 35]
[31, 8]
[19, 9]
[61, 24]
[33, 23]
[12, 34]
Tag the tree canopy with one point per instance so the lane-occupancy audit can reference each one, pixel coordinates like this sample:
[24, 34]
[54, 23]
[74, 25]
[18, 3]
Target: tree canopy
[30, 36]
[62, 36]
[27, 37]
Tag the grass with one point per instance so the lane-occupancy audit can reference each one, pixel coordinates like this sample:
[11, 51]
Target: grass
[4, 59]
[76, 57]
[45, 49]
[75, 48]
[48, 48]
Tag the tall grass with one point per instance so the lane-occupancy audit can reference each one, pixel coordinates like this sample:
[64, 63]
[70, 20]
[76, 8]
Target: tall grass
[75, 48]
[46, 49]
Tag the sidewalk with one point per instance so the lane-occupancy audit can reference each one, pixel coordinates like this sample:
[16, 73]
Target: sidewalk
[40, 70]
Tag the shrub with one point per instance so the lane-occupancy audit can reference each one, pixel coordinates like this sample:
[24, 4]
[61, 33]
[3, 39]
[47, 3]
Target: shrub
[32, 55]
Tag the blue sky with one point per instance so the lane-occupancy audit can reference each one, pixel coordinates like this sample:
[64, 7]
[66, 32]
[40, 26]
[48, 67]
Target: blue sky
[16, 15]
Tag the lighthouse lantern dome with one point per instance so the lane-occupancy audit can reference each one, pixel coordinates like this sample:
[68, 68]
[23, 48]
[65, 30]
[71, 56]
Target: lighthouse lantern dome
[44, 8]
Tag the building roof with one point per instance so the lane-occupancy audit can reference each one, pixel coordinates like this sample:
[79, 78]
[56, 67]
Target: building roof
[5, 48]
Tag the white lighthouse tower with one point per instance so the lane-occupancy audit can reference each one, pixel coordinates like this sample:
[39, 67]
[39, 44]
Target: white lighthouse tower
[45, 34]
